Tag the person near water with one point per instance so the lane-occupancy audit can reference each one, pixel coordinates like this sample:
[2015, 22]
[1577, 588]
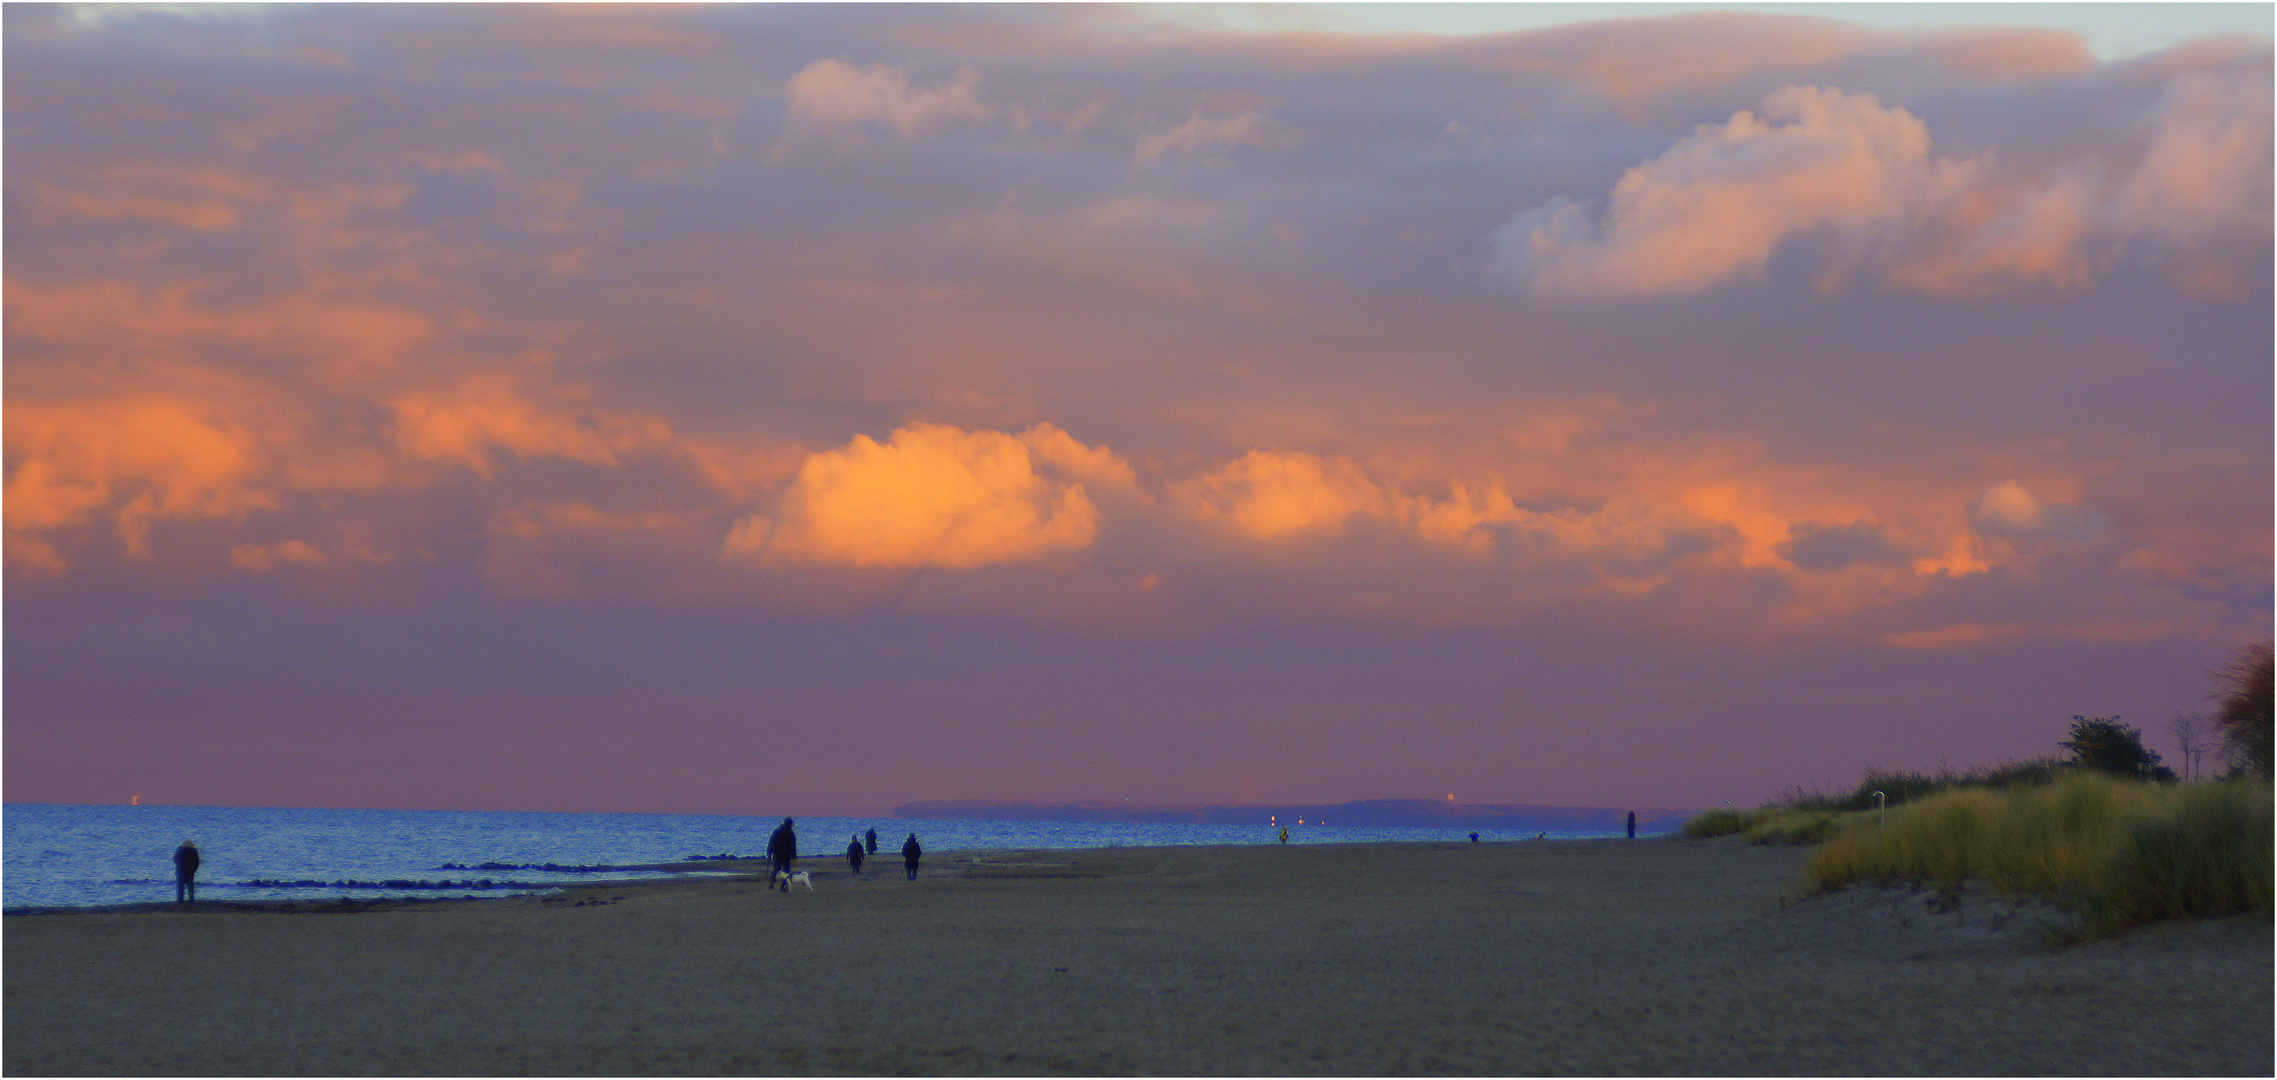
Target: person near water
[871, 839]
[854, 855]
[910, 853]
[1474, 838]
[782, 851]
[186, 873]
[1632, 824]
[1284, 834]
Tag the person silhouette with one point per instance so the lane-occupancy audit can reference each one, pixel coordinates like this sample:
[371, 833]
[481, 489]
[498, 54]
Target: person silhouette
[871, 839]
[910, 853]
[186, 873]
[782, 851]
[1632, 824]
[854, 855]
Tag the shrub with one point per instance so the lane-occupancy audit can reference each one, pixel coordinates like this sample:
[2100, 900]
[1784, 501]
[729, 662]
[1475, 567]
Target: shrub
[2112, 747]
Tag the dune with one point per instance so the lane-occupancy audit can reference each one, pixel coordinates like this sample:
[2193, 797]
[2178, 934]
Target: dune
[1664, 956]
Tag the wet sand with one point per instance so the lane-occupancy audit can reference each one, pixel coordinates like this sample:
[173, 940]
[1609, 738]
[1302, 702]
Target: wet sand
[1591, 957]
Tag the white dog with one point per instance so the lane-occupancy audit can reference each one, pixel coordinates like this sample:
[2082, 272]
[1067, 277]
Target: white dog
[787, 879]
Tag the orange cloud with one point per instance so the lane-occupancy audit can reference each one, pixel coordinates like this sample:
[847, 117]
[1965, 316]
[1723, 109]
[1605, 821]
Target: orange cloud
[935, 495]
[262, 558]
[131, 459]
[1967, 635]
[485, 415]
[1270, 495]
[184, 195]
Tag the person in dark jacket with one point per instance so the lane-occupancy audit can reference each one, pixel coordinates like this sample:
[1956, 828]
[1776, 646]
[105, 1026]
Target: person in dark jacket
[186, 873]
[782, 851]
[910, 853]
[872, 838]
[1632, 824]
[854, 855]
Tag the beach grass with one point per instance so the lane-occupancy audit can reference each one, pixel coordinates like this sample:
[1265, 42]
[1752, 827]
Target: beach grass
[1772, 824]
[2117, 853]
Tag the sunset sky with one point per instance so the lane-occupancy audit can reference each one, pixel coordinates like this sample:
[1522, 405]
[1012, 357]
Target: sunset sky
[811, 409]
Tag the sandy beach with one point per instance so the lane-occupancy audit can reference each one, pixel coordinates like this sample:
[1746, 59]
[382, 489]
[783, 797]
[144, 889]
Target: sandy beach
[1591, 957]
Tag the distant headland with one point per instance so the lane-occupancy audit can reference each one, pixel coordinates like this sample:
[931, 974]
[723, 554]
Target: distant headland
[1426, 813]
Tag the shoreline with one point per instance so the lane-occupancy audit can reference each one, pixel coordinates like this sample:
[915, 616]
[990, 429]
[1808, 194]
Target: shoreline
[1657, 956]
[689, 870]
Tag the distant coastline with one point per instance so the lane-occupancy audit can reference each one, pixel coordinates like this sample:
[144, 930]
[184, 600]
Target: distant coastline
[1424, 813]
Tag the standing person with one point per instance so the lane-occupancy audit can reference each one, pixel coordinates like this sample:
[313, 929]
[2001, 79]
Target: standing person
[854, 855]
[872, 838]
[1632, 824]
[782, 851]
[910, 853]
[186, 873]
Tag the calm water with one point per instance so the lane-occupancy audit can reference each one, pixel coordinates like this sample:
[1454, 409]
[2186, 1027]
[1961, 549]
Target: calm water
[89, 855]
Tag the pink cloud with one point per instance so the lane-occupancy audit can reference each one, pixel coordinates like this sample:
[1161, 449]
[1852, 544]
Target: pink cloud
[836, 92]
[1200, 135]
[1717, 204]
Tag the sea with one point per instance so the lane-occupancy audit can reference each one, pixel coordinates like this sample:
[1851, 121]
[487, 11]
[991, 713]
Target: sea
[95, 856]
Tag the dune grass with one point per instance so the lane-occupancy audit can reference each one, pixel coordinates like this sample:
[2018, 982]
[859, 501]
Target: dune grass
[1772, 824]
[2117, 853]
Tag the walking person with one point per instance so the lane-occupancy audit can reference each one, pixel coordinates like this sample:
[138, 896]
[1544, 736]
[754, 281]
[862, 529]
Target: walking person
[1632, 824]
[186, 873]
[854, 855]
[910, 853]
[872, 838]
[782, 851]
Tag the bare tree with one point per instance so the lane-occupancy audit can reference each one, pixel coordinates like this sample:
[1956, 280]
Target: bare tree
[2191, 734]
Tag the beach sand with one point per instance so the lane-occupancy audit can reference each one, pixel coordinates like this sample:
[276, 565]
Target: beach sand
[1661, 956]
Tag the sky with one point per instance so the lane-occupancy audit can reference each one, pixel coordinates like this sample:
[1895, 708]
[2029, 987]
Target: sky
[813, 409]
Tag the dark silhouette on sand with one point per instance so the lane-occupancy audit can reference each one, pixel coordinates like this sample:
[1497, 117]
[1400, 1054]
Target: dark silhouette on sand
[186, 873]
[1632, 824]
[782, 851]
[910, 853]
[854, 855]
[872, 839]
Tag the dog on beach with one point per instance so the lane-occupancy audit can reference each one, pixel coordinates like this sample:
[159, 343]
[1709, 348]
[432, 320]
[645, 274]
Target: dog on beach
[787, 879]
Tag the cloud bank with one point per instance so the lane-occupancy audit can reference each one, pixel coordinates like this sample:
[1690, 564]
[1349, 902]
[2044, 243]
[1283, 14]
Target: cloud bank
[1721, 333]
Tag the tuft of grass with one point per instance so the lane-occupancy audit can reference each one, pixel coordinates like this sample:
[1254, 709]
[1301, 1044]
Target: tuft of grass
[1795, 826]
[2118, 853]
[1723, 821]
[1770, 825]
